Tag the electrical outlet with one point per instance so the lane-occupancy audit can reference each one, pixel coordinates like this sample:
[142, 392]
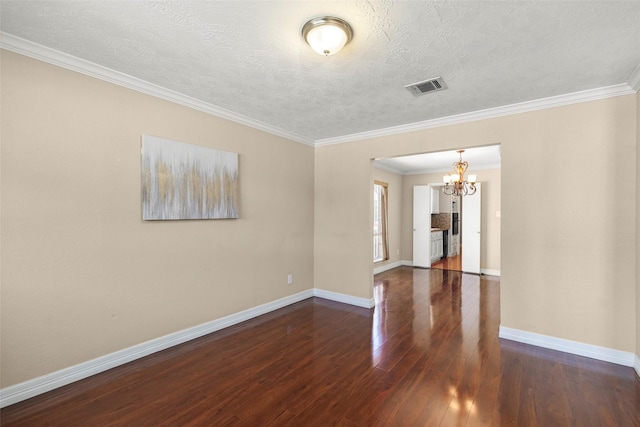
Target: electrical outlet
[290, 279]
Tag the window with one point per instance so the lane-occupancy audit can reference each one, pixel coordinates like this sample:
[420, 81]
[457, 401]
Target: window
[380, 209]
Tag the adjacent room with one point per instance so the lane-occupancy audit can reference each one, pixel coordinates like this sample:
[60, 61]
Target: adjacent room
[359, 212]
[420, 179]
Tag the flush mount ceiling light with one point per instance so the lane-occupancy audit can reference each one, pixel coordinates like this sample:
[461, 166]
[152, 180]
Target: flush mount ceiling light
[327, 34]
[455, 184]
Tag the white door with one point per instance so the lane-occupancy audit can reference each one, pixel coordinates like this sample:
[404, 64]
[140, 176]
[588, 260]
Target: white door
[471, 232]
[422, 226]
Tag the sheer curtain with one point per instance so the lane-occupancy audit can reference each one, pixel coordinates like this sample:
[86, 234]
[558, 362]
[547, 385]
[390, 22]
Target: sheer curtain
[380, 215]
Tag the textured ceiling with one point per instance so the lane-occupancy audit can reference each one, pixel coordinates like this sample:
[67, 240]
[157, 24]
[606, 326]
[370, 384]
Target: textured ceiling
[248, 56]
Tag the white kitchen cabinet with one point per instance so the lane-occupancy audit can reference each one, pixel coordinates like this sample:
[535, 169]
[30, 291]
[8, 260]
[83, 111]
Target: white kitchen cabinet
[436, 245]
[435, 200]
[454, 244]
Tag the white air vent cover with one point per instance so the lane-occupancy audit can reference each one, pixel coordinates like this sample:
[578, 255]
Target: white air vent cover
[427, 86]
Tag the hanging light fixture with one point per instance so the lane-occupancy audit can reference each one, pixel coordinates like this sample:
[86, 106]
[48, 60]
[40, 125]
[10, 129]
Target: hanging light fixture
[327, 34]
[455, 184]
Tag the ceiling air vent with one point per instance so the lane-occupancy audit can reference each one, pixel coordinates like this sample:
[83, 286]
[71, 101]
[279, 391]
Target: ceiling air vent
[427, 86]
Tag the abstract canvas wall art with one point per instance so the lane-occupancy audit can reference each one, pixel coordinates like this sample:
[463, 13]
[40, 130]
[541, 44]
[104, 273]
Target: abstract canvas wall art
[186, 181]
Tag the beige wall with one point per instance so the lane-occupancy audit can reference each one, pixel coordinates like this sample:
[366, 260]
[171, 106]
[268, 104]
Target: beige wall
[395, 213]
[568, 269]
[637, 229]
[490, 224]
[343, 221]
[82, 274]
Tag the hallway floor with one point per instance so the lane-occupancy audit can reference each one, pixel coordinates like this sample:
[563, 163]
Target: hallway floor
[453, 263]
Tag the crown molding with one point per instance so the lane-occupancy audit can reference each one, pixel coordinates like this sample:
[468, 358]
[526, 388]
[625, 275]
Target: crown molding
[401, 172]
[634, 80]
[34, 50]
[506, 110]
[388, 168]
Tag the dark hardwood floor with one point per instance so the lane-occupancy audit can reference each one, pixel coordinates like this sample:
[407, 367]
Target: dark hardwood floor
[428, 355]
[449, 263]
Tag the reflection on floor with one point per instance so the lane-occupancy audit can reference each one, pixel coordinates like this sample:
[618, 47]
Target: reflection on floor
[428, 354]
[436, 332]
[450, 263]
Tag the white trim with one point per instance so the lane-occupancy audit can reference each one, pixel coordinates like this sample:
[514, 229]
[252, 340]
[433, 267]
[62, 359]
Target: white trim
[25, 390]
[522, 107]
[634, 79]
[407, 263]
[33, 50]
[30, 388]
[383, 268]
[489, 272]
[70, 62]
[397, 171]
[387, 168]
[347, 299]
[618, 357]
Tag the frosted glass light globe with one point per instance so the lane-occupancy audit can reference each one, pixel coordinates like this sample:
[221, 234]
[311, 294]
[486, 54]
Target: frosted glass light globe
[326, 39]
[327, 35]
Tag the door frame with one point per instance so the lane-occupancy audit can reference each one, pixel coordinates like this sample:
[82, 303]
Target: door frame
[471, 233]
[421, 226]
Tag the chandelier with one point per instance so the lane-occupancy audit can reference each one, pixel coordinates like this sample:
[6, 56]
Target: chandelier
[455, 184]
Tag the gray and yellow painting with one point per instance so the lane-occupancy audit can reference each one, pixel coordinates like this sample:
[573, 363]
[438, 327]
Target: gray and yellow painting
[185, 181]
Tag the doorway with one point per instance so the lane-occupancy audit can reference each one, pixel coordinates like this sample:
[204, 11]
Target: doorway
[429, 168]
[442, 225]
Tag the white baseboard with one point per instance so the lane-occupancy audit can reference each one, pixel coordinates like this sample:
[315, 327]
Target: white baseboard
[489, 272]
[25, 390]
[382, 268]
[605, 354]
[347, 299]
[407, 263]
[31, 388]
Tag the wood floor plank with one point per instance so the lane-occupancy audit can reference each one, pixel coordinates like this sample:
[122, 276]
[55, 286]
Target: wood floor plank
[427, 355]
